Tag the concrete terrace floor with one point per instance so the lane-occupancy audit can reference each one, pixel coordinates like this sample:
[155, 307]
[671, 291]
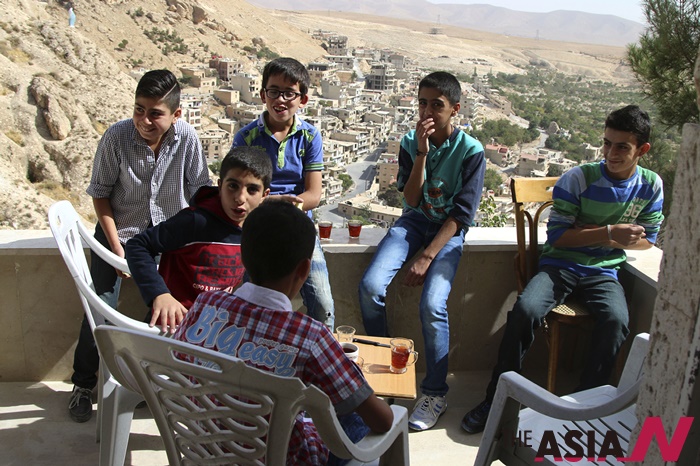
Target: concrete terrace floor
[35, 428]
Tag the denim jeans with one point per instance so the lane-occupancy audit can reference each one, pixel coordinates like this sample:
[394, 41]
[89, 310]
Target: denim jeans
[316, 290]
[603, 297]
[107, 283]
[355, 428]
[411, 232]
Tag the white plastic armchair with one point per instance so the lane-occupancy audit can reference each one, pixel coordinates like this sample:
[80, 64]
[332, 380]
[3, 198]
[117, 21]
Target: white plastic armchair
[219, 410]
[599, 409]
[115, 404]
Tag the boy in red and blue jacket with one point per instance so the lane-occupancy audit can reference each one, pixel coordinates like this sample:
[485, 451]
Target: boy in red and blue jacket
[200, 245]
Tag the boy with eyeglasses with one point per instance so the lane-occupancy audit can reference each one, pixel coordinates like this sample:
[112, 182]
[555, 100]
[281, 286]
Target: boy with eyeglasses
[296, 151]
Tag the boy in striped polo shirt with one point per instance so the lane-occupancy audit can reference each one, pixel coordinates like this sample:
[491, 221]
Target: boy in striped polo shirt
[296, 152]
[600, 209]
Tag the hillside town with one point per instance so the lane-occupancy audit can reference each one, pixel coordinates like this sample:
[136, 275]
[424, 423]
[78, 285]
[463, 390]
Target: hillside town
[363, 101]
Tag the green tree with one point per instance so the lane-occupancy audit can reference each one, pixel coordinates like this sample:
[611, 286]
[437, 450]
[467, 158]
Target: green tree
[347, 181]
[392, 196]
[492, 180]
[490, 216]
[363, 215]
[664, 59]
[215, 167]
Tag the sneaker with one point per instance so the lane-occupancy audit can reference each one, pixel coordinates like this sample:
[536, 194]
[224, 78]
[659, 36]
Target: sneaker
[80, 404]
[475, 420]
[426, 412]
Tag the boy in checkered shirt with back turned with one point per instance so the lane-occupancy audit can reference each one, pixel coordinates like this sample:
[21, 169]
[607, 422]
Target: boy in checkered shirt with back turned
[259, 326]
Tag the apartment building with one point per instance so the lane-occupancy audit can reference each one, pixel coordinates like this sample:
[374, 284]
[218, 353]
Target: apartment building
[191, 110]
[532, 165]
[227, 96]
[381, 77]
[248, 85]
[387, 171]
[319, 71]
[337, 45]
[559, 166]
[497, 153]
[215, 143]
[359, 138]
[343, 62]
[243, 112]
[226, 67]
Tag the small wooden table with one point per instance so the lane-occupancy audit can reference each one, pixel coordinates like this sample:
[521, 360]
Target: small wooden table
[376, 371]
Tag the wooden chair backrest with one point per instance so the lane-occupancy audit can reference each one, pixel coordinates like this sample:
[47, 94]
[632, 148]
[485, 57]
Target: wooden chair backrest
[527, 191]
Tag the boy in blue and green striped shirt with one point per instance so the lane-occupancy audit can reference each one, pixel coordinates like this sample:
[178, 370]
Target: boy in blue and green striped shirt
[600, 209]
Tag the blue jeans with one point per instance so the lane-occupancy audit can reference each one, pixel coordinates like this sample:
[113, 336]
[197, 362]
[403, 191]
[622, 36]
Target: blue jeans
[355, 428]
[107, 283]
[316, 290]
[603, 297]
[411, 232]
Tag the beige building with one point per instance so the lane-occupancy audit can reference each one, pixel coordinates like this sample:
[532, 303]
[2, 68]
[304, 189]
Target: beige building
[529, 163]
[227, 96]
[387, 171]
[319, 71]
[215, 143]
[498, 154]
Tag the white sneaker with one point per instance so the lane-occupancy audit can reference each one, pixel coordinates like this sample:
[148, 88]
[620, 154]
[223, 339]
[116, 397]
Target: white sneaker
[426, 412]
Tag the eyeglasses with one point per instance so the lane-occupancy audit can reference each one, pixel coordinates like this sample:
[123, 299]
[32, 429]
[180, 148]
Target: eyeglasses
[286, 95]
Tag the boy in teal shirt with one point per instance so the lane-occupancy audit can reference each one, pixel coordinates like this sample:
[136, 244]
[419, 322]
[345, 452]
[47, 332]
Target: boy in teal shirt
[441, 175]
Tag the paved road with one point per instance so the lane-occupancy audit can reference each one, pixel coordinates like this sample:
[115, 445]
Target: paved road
[362, 173]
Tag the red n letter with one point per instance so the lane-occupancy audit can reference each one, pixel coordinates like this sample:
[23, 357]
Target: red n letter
[653, 427]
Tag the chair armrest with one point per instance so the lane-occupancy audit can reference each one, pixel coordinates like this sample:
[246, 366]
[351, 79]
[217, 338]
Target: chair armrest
[104, 253]
[374, 445]
[515, 386]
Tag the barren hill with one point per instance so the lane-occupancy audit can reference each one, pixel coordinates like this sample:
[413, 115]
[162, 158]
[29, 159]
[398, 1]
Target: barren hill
[560, 25]
[61, 87]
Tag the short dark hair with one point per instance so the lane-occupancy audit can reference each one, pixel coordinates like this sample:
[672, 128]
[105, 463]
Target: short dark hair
[291, 69]
[631, 119]
[250, 158]
[276, 237]
[444, 82]
[162, 85]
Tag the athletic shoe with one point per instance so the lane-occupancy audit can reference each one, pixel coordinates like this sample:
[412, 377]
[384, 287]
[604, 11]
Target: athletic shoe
[426, 412]
[475, 420]
[80, 404]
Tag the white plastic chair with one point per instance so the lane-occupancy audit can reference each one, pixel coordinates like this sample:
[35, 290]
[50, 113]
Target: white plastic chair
[242, 415]
[115, 404]
[598, 409]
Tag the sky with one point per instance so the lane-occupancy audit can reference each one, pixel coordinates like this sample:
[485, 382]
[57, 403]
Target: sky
[629, 9]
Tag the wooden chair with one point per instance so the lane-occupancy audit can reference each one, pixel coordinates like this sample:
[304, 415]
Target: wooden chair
[594, 412]
[525, 192]
[219, 410]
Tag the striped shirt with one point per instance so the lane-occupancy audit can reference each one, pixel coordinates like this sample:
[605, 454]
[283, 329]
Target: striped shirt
[144, 190]
[301, 151]
[586, 195]
[258, 325]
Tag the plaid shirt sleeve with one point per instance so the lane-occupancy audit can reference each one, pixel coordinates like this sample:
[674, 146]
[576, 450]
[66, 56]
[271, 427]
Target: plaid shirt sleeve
[330, 370]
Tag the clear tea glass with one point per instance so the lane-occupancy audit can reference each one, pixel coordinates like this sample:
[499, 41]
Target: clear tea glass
[401, 352]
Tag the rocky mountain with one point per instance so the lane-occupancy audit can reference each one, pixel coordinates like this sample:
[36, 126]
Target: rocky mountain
[560, 25]
[61, 87]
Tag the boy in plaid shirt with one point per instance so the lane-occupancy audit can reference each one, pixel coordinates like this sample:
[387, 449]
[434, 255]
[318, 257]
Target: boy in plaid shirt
[257, 324]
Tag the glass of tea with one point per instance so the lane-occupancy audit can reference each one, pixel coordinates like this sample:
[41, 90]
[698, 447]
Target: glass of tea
[401, 352]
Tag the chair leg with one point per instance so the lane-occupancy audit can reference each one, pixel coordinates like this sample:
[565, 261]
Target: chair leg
[397, 454]
[118, 406]
[553, 354]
